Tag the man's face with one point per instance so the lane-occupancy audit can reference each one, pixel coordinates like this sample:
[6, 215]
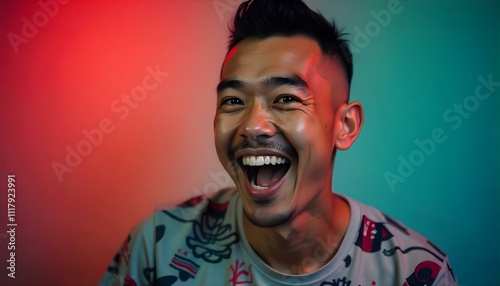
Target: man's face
[275, 124]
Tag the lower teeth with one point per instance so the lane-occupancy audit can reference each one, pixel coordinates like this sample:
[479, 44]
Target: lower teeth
[258, 187]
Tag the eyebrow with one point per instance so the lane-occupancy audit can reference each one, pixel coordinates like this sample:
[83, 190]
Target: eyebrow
[229, 83]
[270, 82]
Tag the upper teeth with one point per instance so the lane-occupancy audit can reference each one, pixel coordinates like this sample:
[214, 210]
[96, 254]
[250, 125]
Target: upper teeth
[262, 160]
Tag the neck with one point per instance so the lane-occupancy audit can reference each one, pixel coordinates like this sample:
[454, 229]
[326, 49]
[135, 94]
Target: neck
[306, 242]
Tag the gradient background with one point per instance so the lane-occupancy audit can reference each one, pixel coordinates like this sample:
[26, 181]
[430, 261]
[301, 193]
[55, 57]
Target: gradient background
[65, 78]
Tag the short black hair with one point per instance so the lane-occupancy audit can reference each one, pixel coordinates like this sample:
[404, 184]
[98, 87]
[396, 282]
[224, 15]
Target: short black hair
[267, 18]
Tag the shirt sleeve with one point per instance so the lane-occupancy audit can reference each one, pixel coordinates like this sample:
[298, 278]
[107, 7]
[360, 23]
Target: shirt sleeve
[445, 276]
[134, 263]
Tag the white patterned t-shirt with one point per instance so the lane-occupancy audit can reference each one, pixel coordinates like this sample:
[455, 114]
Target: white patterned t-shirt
[202, 242]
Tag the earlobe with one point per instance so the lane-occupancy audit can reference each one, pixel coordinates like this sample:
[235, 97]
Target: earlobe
[350, 118]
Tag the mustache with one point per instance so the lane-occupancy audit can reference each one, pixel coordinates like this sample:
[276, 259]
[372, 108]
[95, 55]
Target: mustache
[277, 143]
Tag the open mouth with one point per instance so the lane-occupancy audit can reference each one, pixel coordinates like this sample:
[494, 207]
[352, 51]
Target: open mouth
[264, 171]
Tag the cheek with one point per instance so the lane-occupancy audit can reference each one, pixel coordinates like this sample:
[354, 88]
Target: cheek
[224, 130]
[309, 134]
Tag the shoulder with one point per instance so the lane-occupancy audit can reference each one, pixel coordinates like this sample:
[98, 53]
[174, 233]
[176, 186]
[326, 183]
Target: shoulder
[397, 247]
[166, 232]
[192, 209]
[168, 218]
[384, 227]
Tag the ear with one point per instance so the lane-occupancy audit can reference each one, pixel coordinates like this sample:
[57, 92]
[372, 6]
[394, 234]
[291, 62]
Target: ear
[349, 120]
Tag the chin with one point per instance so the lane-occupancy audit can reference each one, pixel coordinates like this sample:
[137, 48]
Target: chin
[264, 216]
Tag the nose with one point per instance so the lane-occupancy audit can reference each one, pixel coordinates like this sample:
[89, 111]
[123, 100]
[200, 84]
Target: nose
[257, 122]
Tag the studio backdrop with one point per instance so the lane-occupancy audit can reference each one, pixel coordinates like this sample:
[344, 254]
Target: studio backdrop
[107, 106]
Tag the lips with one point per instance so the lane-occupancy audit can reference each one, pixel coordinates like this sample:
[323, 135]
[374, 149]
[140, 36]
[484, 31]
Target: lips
[264, 172]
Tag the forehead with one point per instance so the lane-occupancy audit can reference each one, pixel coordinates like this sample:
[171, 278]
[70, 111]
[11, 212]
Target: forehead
[254, 58]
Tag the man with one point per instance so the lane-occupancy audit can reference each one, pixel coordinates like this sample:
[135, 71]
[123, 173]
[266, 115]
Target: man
[282, 112]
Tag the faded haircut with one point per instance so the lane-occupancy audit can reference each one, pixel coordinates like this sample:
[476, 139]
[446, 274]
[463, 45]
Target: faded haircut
[266, 18]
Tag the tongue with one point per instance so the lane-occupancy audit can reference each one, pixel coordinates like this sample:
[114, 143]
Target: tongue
[269, 174]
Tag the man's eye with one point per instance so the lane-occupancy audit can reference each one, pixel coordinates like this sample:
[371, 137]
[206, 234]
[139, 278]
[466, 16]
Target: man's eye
[287, 99]
[231, 101]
